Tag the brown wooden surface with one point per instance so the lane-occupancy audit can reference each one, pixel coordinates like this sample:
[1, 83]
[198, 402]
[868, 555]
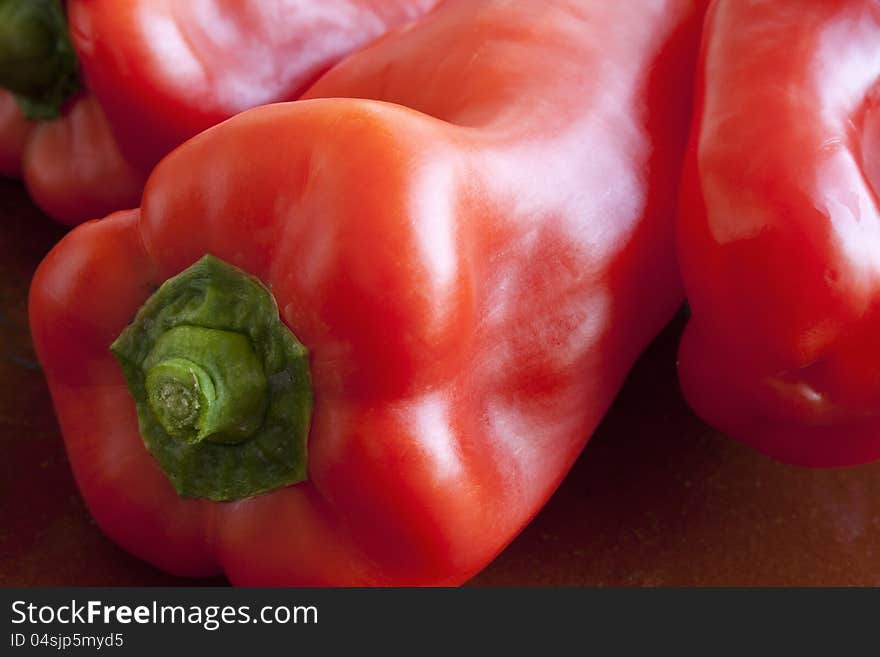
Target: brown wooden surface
[657, 498]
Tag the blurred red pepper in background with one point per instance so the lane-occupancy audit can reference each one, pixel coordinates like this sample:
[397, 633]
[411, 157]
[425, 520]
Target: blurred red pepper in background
[161, 72]
[779, 230]
[14, 133]
[71, 164]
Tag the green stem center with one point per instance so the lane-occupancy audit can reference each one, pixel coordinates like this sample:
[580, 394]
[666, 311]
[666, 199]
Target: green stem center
[179, 393]
[205, 384]
[37, 61]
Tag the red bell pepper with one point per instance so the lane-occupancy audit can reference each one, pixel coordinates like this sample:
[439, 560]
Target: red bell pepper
[778, 230]
[467, 253]
[161, 73]
[70, 161]
[71, 164]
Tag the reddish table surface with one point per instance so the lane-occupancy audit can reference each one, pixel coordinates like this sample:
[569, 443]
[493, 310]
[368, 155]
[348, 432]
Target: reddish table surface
[656, 498]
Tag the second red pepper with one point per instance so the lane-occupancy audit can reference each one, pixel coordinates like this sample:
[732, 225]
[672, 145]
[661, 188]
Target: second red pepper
[778, 230]
[158, 73]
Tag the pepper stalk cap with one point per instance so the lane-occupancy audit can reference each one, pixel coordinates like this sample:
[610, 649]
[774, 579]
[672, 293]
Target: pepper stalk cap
[37, 60]
[222, 387]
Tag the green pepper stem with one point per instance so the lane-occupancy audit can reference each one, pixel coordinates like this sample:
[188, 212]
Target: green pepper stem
[37, 61]
[222, 387]
[180, 393]
[205, 384]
